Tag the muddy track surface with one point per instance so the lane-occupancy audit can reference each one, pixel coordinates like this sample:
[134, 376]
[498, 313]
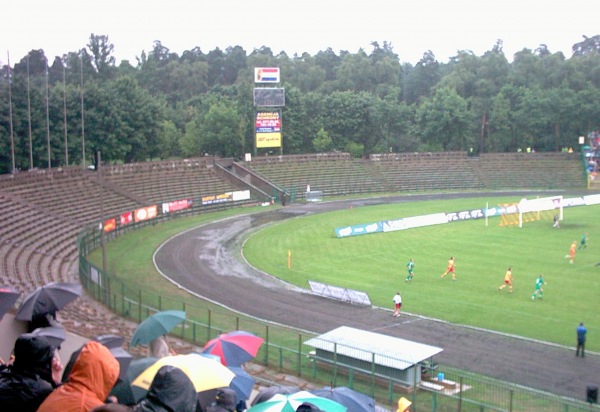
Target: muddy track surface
[208, 261]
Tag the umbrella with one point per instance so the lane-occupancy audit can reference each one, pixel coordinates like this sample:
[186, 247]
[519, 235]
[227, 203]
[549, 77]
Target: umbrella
[124, 392]
[242, 384]
[8, 297]
[156, 325]
[55, 335]
[234, 348]
[289, 403]
[351, 399]
[267, 393]
[121, 355]
[110, 341]
[203, 372]
[48, 299]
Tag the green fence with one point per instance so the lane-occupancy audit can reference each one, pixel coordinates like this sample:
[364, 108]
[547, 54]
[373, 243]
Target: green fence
[284, 348]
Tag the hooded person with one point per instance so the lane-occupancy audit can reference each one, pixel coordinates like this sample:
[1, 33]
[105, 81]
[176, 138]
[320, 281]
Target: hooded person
[170, 391]
[94, 374]
[26, 383]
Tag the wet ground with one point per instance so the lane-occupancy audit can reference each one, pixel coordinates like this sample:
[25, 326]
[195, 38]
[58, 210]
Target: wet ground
[208, 261]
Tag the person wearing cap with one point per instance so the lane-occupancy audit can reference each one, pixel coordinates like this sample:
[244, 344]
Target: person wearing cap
[403, 405]
[33, 375]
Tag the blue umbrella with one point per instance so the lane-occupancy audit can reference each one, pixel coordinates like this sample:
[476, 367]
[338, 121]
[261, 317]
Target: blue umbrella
[242, 383]
[156, 325]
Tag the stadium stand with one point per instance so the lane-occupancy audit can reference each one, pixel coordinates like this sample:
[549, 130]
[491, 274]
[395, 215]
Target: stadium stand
[44, 210]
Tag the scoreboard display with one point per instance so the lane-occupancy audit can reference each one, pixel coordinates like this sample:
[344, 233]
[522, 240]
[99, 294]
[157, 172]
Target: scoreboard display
[269, 97]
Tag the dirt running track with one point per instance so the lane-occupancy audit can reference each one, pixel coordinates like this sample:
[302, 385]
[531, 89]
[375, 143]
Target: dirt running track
[207, 260]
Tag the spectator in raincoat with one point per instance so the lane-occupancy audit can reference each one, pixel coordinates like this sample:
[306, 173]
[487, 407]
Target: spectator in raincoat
[94, 374]
[29, 380]
[170, 390]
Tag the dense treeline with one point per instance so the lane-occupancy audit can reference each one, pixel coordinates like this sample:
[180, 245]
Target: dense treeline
[169, 105]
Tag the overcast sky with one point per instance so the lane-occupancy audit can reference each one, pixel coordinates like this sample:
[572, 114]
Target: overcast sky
[411, 26]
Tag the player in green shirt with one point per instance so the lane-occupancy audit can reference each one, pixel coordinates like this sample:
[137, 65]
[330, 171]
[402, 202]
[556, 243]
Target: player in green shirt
[411, 267]
[539, 290]
[583, 243]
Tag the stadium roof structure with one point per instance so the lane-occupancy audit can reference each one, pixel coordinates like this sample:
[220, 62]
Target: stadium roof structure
[374, 347]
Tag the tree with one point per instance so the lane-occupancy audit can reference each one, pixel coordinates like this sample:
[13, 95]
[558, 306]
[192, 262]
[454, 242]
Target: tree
[101, 50]
[221, 131]
[322, 142]
[443, 121]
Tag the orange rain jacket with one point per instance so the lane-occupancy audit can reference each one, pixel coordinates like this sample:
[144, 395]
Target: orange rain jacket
[94, 374]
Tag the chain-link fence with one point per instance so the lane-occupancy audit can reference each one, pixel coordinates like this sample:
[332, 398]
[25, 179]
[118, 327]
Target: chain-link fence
[284, 349]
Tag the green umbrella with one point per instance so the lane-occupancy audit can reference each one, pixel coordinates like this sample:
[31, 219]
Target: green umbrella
[156, 325]
[289, 403]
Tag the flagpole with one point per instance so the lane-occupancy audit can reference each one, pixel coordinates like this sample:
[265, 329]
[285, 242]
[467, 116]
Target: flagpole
[65, 115]
[29, 117]
[48, 117]
[12, 134]
[82, 117]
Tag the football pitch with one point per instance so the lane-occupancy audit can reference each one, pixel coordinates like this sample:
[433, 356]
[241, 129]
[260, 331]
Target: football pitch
[376, 264]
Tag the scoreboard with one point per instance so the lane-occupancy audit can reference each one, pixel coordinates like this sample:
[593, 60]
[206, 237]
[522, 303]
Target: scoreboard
[269, 96]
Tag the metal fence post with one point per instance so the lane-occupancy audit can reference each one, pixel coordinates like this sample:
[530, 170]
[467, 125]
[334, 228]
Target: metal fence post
[267, 345]
[460, 395]
[139, 305]
[299, 354]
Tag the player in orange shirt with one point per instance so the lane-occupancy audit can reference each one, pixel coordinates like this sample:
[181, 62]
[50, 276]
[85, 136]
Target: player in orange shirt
[572, 250]
[450, 269]
[507, 281]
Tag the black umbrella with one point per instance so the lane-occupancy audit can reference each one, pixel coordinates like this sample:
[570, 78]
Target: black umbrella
[110, 341]
[123, 390]
[48, 299]
[267, 393]
[353, 400]
[121, 355]
[55, 335]
[8, 297]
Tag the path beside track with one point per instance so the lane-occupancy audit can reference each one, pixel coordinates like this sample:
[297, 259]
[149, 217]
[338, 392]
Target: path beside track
[207, 261]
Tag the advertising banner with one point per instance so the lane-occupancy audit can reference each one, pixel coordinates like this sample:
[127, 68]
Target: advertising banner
[145, 213]
[268, 129]
[110, 225]
[177, 205]
[212, 199]
[126, 218]
[266, 75]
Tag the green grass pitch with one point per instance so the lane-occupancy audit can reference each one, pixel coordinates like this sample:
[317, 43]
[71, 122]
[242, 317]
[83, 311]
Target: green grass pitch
[376, 264]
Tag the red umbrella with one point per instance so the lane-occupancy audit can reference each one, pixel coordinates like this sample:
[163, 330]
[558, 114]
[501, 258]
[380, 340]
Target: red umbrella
[234, 348]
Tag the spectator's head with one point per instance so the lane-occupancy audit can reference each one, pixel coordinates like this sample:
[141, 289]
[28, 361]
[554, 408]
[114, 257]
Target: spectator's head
[171, 389]
[34, 354]
[308, 407]
[227, 399]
